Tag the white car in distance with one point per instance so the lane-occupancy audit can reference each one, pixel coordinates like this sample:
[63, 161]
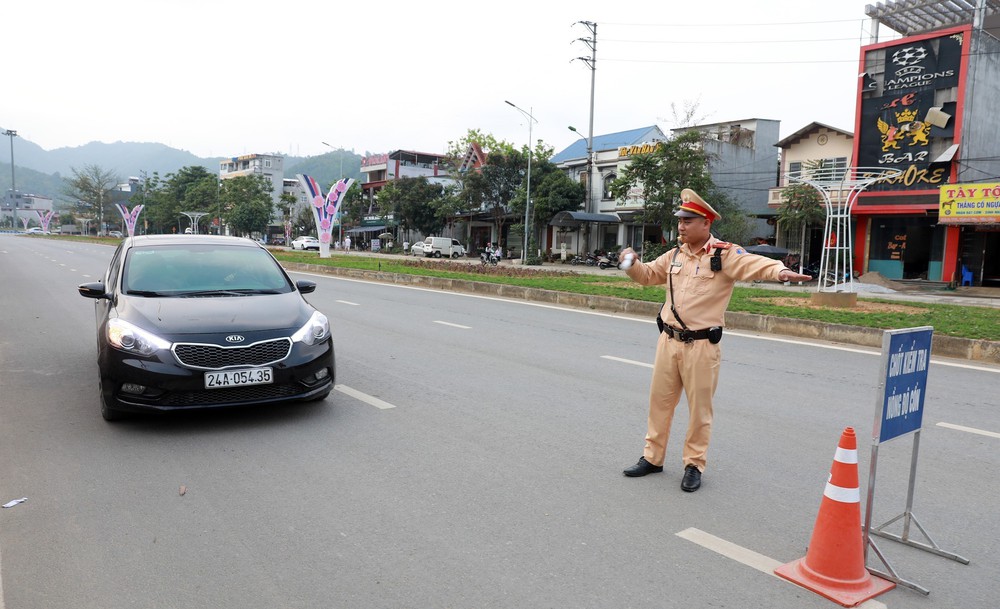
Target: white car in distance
[306, 243]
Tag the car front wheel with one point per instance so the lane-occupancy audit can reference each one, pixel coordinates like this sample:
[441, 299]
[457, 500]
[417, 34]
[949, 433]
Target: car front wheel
[108, 413]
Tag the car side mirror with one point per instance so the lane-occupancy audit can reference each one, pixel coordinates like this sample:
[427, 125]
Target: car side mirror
[92, 290]
[303, 286]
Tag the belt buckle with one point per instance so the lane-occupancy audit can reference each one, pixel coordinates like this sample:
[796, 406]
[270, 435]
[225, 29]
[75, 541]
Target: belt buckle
[686, 336]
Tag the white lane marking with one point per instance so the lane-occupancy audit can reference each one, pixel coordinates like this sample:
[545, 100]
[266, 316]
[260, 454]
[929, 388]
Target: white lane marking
[364, 397]
[990, 434]
[729, 549]
[73, 270]
[748, 557]
[348, 302]
[626, 361]
[792, 341]
[445, 323]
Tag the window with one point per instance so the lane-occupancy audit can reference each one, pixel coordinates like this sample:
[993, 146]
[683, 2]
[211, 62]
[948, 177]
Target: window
[608, 179]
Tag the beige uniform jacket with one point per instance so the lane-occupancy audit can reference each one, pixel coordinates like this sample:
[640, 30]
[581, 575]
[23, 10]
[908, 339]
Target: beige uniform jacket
[700, 294]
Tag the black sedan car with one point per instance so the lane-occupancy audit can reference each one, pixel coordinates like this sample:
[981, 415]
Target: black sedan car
[197, 321]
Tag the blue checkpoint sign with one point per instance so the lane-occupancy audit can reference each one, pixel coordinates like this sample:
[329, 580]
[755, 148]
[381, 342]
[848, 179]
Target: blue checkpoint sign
[906, 356]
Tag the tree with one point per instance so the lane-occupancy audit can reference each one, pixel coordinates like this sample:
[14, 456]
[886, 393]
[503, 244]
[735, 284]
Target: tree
[247, 204]
[91, 186]
[552, 191]
[415, 203]
[674, 165]
[191, 188]
[494, 186]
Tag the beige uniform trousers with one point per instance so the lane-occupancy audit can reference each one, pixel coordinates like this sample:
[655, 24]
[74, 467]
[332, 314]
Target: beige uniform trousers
[692, 368]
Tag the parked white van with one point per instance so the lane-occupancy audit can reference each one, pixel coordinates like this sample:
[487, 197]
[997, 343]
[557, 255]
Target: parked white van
[443, 246]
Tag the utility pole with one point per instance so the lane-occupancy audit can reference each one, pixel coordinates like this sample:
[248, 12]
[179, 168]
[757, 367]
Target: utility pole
[13, 185]
[592, 64]
[527, 203]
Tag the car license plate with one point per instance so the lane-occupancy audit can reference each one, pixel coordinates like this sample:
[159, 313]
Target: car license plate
[238, 378]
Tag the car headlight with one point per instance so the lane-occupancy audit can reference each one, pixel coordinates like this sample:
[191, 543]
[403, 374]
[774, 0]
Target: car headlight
[315, 331]
[133, 339]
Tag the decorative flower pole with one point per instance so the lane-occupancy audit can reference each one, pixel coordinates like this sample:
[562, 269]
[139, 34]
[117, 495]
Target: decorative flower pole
[325, 209]
[45, 217]
[129, 217]
[25, 220]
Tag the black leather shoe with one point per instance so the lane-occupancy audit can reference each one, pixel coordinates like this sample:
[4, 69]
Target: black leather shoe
[642, 468]
[692, 479]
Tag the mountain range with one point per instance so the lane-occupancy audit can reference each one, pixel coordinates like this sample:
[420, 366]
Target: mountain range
[43, 172]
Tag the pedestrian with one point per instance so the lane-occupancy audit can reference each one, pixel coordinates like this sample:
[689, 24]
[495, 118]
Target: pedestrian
[347, 243]
[699, 273]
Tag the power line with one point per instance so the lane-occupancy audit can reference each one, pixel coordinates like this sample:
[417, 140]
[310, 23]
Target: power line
[739, 24]
[716, 42]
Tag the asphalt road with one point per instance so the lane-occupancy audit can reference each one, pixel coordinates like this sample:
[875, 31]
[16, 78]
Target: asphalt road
[471, 457]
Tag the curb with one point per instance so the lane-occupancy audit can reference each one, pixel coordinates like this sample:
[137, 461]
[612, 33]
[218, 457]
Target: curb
[945, 346]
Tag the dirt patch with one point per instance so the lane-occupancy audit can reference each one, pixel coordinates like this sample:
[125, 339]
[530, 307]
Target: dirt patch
[863, 306]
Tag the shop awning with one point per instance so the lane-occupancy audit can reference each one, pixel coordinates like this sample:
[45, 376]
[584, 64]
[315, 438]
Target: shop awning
[576, 218]
[366, 229]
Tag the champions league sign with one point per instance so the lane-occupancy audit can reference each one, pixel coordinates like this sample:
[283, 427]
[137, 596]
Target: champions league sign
[917, 65]
[900, 121]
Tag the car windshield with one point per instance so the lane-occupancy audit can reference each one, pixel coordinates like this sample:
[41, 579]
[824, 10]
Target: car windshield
[192, 270]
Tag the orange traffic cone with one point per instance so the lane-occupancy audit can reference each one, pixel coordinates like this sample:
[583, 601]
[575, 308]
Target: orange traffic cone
[834, 564]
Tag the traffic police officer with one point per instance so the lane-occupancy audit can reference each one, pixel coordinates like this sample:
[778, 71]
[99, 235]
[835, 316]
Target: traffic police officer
[700, 274]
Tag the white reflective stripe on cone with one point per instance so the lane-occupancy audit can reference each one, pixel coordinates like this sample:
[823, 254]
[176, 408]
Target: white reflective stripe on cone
[846, 455]
[841, 494]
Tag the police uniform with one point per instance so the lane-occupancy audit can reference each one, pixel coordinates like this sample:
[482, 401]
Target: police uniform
[687, 359]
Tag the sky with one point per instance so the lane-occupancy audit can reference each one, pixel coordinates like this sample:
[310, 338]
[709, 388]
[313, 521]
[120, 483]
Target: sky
[224, 77]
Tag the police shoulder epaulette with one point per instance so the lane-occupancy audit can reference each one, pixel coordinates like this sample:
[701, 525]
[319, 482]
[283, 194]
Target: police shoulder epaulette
[722, 245]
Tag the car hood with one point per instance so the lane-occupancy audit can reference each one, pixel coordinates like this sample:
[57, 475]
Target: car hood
[211, 315]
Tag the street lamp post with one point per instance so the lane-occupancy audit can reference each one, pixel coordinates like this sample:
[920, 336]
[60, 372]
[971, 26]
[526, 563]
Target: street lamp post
[13, 185]
[527, 203]
[340, 223]
[590, 165]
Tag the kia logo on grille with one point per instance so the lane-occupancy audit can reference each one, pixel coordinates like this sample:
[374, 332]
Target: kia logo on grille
[234, 338]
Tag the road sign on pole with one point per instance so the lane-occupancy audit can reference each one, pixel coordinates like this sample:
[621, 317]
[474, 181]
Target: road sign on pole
[906, 356]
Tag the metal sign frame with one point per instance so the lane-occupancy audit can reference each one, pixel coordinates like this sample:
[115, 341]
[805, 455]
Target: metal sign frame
[902, 386]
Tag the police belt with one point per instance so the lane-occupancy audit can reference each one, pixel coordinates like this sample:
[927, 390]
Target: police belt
[685, 335]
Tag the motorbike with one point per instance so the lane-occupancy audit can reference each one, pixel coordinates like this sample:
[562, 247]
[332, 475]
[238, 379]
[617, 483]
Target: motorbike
[591, 260]
[488, 257]
[608, 261]
[577, 260]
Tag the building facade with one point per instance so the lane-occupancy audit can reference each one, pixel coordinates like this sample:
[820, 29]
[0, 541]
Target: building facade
[271, 166]
[927, 105]
[25, 206]
[744, 165]
[816, 146]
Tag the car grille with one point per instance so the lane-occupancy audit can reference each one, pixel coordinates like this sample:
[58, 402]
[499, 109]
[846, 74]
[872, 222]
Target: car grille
[233, 395]
[210, 357]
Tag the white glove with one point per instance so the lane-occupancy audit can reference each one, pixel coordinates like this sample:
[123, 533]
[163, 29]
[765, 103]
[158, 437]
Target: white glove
[627, 262]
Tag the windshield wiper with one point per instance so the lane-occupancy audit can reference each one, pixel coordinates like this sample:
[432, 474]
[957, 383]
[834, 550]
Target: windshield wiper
[210, 293]
[147, 293]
